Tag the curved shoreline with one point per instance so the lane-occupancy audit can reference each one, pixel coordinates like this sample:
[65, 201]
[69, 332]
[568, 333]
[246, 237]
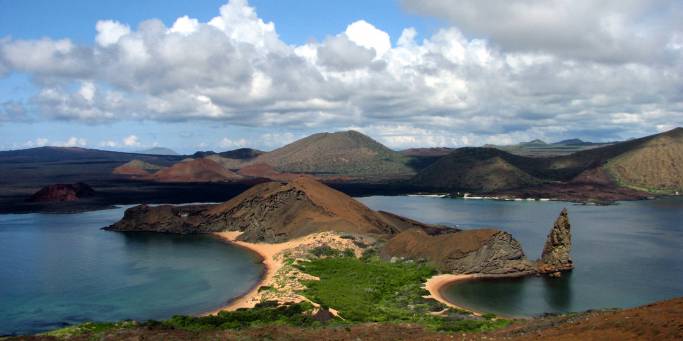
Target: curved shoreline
[437, 284]
[266, 252]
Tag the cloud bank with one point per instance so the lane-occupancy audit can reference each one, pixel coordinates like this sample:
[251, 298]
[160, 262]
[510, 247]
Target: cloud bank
[499, 73]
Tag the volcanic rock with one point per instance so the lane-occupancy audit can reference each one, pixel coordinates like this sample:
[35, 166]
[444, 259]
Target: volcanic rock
[484, 251]
[555, 256]
[270, 212]
[62, 192]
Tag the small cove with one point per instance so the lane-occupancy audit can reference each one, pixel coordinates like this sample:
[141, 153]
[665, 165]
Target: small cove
[627, 254]
[61, 269]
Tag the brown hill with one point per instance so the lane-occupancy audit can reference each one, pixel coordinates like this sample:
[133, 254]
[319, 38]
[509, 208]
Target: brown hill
[271, 212]
[199, 170]
[485, 251]
[655, 165]
[476, 169]
[137, 168]
[347, 153]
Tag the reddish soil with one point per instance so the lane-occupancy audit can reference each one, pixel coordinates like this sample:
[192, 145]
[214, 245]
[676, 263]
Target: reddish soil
[199, 170]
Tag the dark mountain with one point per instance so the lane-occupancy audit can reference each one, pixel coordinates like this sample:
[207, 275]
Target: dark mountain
[427, 152]
[477, 169]
[241, 154]
[652, 163]
[38, 166]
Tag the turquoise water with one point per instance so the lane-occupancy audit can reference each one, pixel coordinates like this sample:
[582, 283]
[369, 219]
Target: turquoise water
[626, 254]
[61, 269]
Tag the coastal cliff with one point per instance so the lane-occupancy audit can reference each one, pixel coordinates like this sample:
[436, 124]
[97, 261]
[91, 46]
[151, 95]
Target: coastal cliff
[485, 251]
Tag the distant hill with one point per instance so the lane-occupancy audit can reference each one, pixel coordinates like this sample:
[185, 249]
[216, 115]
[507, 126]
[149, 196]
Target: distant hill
[241, 153]
[347, 153]
[539, 148]
[427, 152]
[45, 165]
[137, 168]
[476, 169]
[158, 151]
[199, 170]
[653, 163]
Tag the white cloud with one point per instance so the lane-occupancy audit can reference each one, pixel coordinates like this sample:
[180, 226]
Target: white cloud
[501, 82]
[87, 91]
[109, 143]
[365, 34]
[233, 143]
[73, 142]
[606, 31]
[131, 141]
[109, 32]
[185, 25]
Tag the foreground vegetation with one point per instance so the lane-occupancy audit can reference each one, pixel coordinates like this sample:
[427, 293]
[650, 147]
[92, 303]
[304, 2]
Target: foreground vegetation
[372, 290]
[361, 290]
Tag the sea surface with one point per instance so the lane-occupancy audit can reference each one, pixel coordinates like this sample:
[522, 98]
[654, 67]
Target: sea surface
[61, 269]
[627, 254]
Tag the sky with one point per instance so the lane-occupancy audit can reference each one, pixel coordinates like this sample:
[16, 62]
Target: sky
[217, 75]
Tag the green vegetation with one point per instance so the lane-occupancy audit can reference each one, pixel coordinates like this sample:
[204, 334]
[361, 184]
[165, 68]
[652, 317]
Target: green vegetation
[90, 328]
[298, 314]
[371, 290]
[362, 290]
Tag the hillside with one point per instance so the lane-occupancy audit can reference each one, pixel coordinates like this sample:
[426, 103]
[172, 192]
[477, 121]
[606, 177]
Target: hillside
[199, 170]
[476, 169]
[347, 153]
[137, 168]
[656, 165]
[271, 212]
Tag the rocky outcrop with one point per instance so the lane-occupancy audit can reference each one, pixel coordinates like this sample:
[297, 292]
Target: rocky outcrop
[166, 218]
[271, 212]
[62, 192]
[485, 251]
[556, 252]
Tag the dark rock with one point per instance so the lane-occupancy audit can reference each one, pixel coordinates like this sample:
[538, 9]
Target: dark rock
[62, 192]
[556, 252]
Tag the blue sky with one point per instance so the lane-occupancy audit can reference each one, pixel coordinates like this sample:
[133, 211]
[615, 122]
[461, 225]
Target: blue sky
[408, 73]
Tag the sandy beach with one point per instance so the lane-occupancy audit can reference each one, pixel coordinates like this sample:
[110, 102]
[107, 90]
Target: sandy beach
[437, 283]
[273, 260]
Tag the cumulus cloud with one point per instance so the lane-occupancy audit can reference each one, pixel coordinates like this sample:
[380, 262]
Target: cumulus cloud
[109, 32]
[131, 141]
[615, 71]
[233, 143]
[72, 141]
[607, 31]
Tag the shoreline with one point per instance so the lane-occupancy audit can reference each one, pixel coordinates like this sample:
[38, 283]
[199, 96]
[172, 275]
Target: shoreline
[438, 283]
[267, 254]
